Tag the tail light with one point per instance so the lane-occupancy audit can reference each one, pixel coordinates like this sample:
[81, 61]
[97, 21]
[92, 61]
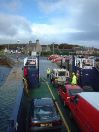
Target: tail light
[35, 124]
[68, 97]
[25, 71]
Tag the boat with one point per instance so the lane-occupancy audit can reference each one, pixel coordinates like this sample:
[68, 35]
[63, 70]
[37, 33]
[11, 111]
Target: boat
[18, 121]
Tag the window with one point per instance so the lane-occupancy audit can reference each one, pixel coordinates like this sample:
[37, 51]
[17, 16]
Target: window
[73, 92]
[61, 73]
[44, 111]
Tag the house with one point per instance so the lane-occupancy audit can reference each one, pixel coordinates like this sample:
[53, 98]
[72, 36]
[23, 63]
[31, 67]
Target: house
[45, 48]
[33, 47]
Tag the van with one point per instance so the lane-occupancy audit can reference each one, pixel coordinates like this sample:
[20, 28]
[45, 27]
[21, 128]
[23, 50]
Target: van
[59, 76]
[85, 111]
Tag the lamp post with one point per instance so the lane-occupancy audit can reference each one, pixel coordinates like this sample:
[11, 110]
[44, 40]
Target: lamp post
[53, 47]
[18, 44]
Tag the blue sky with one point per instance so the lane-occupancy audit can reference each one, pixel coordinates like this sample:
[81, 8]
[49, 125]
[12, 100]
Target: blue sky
[59, 21]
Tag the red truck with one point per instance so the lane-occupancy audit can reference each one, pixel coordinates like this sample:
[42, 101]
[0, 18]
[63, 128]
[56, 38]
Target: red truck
[68, 91]
[85, 111]
[53, 56]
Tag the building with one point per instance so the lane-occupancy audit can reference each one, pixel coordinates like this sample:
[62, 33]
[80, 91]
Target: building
[33, 47]
[46, 48]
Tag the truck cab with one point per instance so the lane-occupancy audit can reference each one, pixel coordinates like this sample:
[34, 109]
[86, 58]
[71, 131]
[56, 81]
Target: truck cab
[68, 91]
[85, 111]
[59, 76]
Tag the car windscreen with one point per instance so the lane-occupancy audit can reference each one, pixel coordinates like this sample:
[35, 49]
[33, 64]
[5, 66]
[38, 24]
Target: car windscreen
[61, 73]
[44, 112]
[73, 92]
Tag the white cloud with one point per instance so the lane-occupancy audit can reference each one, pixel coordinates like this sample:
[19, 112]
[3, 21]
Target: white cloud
[64, 21]
[44, 29]
[11, 5]
[50, 33]
[52, 6]
[14, 27]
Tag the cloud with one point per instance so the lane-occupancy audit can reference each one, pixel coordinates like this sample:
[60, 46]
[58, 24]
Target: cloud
[11, 5]
[14, 27]
[81, 15]
[52, 32]
[50, 6]
[74, 21]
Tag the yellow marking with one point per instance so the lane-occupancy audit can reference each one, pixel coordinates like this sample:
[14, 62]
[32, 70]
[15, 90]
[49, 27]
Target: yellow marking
[50, 91]
[65, 123]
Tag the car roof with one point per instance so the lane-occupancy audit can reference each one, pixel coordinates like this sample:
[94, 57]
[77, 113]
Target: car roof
[91, 97]
[69, 86]
[43, 101]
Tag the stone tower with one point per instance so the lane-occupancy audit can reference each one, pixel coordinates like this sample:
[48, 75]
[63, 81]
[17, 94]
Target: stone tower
[37, 41]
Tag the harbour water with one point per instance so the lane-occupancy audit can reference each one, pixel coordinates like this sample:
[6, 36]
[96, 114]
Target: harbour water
[9, 87]
[4, 72]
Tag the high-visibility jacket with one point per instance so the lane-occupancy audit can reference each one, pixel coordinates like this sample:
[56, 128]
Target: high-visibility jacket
[48, 71]
[74, 80]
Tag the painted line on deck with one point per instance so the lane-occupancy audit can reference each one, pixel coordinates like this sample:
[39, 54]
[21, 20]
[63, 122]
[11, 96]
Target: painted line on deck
[65, 122]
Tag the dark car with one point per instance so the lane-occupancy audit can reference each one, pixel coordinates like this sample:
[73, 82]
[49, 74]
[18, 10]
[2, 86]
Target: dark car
[44, 115]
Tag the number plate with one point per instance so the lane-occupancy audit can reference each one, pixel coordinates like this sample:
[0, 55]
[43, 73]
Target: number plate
[46, 124]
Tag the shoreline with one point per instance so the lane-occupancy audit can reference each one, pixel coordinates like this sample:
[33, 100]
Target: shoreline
[6, 61]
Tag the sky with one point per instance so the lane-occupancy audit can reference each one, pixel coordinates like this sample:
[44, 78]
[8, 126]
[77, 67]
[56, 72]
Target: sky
[50, 21]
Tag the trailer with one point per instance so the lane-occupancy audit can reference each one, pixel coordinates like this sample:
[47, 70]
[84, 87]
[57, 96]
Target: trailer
[88, 73]
[31, 71]
[85, 111]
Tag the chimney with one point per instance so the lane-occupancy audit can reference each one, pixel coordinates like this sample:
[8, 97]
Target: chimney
[37, 41]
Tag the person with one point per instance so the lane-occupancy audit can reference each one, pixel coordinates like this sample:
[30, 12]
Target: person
[48, 72]
[74, 79]
[25, 72]
[67, 80]
[17, 57]
[78, 77]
